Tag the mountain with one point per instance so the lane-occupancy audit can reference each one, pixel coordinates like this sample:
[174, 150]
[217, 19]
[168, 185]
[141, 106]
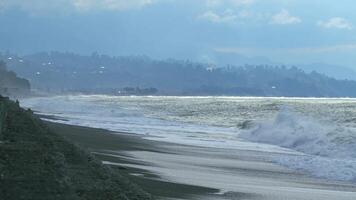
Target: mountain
[227, 58]
[10, 84]
[69, 72]
[338, 72]
[334, 71]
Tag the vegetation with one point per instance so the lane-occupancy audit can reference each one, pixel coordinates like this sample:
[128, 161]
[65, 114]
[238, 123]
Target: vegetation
[36, 163]
[12, 85]
[71, 72]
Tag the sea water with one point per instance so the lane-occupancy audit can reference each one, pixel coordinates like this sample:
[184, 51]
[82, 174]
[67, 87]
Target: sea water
[316, 136]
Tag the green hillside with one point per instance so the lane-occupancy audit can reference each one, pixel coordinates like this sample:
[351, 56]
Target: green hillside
[37, 164]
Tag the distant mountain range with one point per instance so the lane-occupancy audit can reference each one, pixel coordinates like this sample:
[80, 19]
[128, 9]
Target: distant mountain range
[69, 72]
[335, 71]
[338, 72]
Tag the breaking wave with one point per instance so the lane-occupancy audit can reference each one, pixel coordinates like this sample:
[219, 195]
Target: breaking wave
[329, 149]
[323, 145]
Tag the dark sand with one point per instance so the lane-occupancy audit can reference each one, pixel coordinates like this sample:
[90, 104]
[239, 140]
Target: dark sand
[100, 141]
[173, 171]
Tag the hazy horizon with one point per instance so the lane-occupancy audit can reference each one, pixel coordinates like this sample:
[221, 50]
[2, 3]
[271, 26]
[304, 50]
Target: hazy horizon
[213, 31]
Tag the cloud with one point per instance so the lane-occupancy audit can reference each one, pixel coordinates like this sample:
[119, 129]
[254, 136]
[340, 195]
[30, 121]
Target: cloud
[336, 23]
[227, 17]
[213, 3]
[242, 2]
[111, 4]
[35, 6]
[237, 3]
[48, 6]
[326, 49]
[300, 50]
[284, 18]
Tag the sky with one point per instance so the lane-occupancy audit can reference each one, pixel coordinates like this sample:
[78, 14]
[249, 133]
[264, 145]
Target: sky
[216, 31]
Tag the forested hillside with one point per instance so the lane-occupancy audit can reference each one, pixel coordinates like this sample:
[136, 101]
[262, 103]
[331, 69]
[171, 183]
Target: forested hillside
[10, 84]
[63, 72]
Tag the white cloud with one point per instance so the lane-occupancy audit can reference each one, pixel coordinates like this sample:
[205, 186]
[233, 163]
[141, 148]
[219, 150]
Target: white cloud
[326, 49]
[35, 5]
[335, 22]
[43, 6]
[301, 50]
[284, 18]
[242, 2]
[230, 16]
[245, 14]
[227, 17]
[111, 4]
[237, 3]
[213, 3]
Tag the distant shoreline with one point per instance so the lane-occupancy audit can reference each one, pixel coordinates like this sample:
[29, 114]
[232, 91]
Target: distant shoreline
[189, 96]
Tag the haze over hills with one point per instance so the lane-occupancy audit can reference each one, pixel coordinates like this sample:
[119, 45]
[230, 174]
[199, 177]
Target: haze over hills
[11, 84]
[226, 58]
[338, 72]
[69, 72]
[281, 31]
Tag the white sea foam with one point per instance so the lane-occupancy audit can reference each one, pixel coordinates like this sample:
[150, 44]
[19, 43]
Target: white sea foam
[77, 110]
[310, 135]
[327, 153]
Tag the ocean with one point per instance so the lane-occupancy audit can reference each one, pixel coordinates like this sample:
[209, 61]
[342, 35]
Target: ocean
[315, 136]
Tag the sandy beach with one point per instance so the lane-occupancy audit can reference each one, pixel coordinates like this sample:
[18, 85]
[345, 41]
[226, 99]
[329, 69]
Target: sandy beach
[172, 171]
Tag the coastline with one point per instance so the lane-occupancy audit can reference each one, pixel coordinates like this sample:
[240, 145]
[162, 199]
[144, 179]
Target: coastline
[173, 171]
[101, 143]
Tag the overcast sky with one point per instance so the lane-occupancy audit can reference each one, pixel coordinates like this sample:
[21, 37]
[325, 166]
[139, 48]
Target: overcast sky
[289, 31]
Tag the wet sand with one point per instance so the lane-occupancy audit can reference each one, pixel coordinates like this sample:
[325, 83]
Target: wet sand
[172, 171]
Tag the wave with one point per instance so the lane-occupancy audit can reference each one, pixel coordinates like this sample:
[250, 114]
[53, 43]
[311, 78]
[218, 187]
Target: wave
[329, 149]
[293, 139]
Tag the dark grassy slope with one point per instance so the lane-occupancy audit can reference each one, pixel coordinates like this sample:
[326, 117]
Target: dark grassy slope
[35, 163]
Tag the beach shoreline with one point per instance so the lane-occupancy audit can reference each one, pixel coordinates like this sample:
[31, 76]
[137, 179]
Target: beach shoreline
[101, 143]
[175, 171]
